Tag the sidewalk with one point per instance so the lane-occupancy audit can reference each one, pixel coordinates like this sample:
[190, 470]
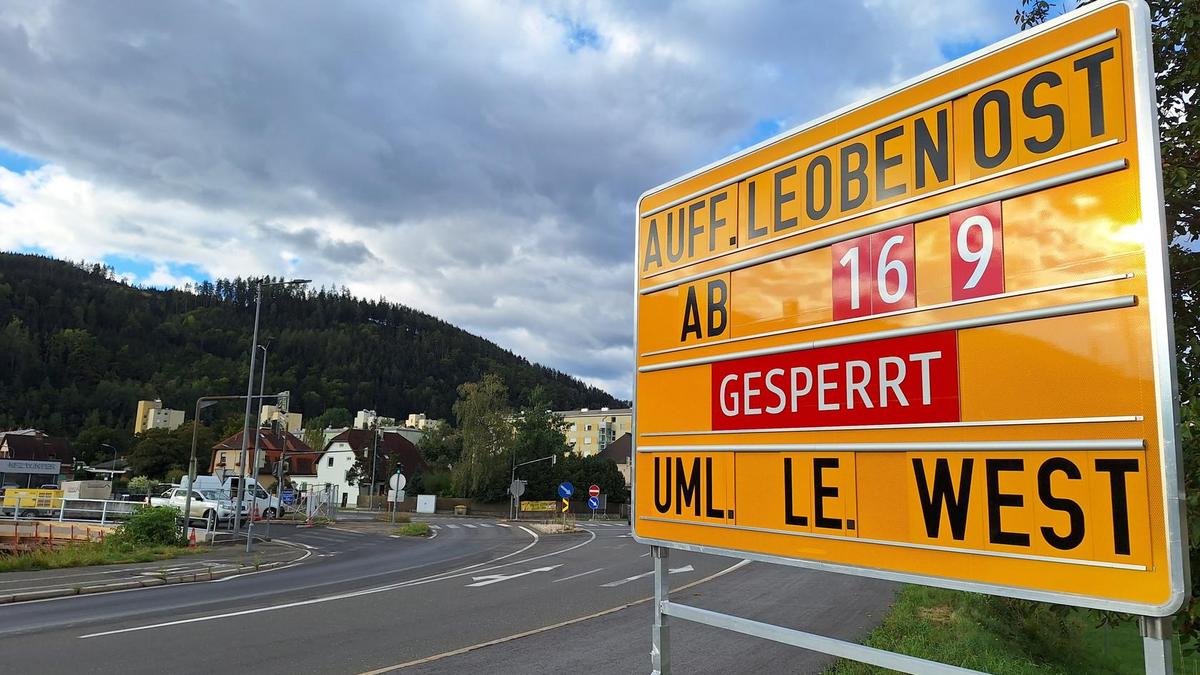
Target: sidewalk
[220, 561]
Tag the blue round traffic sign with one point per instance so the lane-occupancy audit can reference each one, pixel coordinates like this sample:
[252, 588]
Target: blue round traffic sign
[565, 489]
[593, 503]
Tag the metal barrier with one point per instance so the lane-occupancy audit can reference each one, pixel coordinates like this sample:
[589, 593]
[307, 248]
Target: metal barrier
[102, 509]
[22, 535]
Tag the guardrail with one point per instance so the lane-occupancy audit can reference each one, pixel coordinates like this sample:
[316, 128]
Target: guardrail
[18, 535]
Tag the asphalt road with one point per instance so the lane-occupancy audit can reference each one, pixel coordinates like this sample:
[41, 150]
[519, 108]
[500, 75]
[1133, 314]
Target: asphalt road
[476, 596]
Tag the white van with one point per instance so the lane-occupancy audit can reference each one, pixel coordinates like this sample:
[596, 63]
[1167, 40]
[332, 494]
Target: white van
[257, 497]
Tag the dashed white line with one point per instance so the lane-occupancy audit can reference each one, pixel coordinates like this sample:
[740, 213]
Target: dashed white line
[467, 525]
[576, 576]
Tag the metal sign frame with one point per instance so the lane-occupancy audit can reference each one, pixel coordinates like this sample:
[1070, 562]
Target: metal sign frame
[1155, 628]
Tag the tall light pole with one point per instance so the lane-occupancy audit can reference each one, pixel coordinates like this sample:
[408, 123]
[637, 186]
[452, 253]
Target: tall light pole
[237, 511]
[112, 477]
[262, 382]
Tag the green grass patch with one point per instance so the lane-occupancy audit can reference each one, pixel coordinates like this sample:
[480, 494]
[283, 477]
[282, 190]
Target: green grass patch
[414, 530]
[1004, 636]
[87, 554]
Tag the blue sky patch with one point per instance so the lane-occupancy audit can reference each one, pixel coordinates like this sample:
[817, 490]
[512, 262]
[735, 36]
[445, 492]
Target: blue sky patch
[953, 50]
[18, 163]
[761, 131]
[580, 35]
[141, 268]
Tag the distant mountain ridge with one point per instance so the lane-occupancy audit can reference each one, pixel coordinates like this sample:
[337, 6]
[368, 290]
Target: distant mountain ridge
[79, 348]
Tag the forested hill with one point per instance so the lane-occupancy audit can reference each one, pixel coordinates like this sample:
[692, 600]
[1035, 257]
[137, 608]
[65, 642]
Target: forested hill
[78, 348]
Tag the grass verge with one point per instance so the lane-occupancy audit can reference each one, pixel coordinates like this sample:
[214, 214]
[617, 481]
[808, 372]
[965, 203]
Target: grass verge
[87, 554]
[1004, 636]
[414, 530]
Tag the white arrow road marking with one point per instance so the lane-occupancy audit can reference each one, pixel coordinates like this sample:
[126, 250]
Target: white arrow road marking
[497, 578]
[673, 570]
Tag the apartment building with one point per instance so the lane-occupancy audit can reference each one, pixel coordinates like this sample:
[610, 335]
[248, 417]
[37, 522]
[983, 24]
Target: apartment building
[151, 415]
[590, 431]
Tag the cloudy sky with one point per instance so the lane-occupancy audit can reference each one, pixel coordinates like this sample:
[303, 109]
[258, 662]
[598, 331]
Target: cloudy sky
[476, 160]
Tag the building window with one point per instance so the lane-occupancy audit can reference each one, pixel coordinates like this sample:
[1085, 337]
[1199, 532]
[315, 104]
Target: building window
[330, 461]
[587, 441]
[589, 428]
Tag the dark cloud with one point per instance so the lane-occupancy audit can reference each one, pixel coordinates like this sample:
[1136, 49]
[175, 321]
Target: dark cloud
[489, 152]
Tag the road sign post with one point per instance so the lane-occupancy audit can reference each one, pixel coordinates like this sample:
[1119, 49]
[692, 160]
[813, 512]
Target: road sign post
[565, 490]
[928, 336]
[397, 483]
[593, 504]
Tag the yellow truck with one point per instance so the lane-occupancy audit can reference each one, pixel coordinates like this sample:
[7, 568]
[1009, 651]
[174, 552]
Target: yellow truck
[32, 503]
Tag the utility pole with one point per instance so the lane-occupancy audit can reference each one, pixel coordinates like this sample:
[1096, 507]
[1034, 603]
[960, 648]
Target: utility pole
[237, 511]
[262, 381]
[374, 454]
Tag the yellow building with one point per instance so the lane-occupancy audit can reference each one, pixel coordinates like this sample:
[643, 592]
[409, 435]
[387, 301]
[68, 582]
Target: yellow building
[151, 415]
[290, 421]
[590, 431]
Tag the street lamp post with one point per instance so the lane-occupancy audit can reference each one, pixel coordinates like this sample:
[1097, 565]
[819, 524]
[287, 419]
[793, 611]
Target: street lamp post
[262, 381]
[112, 476]
[237, 512]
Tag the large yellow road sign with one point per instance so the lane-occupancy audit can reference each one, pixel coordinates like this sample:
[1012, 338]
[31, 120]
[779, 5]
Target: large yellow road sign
[927, 337]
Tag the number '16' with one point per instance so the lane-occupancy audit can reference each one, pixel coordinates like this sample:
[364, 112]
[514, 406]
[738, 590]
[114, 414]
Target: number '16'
[874, 274]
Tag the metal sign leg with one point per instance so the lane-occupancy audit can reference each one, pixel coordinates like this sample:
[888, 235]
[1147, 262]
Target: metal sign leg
[660, 644]
[1156, 644]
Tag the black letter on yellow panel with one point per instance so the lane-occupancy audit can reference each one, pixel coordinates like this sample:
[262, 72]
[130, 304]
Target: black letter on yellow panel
[1051, 110]
[810, 189]
[691, 317]
[1095, 87]
[663, 505]
[687, 491]
[788, 510]
[782, 198]
[938, 155]
[1117, 468]
[821, 491]
[1004, 111]
[943, 496]
[1075, 535]
[708, 488]
[653, 248]
[997, 499]
[715, 223]
[856, 175]
[672, 254]
[884, 162]
[718, 315]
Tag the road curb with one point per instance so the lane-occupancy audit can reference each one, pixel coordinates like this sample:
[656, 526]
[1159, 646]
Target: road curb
[148, 582]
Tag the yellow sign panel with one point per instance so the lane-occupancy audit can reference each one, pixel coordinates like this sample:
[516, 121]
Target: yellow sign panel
[926, 338]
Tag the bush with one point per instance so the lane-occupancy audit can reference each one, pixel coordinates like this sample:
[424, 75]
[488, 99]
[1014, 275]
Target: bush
[155, 526]
[438, 483]
[414, 530]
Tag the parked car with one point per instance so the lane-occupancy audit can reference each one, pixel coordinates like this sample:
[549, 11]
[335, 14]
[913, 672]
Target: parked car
[206, 504]
[255, 497]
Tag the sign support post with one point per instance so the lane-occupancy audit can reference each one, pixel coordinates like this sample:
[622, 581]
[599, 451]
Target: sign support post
[660, 646]
[1156, 644]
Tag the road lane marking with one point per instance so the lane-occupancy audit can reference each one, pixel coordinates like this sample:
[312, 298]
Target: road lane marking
[576, 576]
[504, 525]
[643, 555]
[442, 576]
[470, 526]
[342, 529]
[484, 525]
[452, 526]
[489, 579]
[543, 629]
[673, 570]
